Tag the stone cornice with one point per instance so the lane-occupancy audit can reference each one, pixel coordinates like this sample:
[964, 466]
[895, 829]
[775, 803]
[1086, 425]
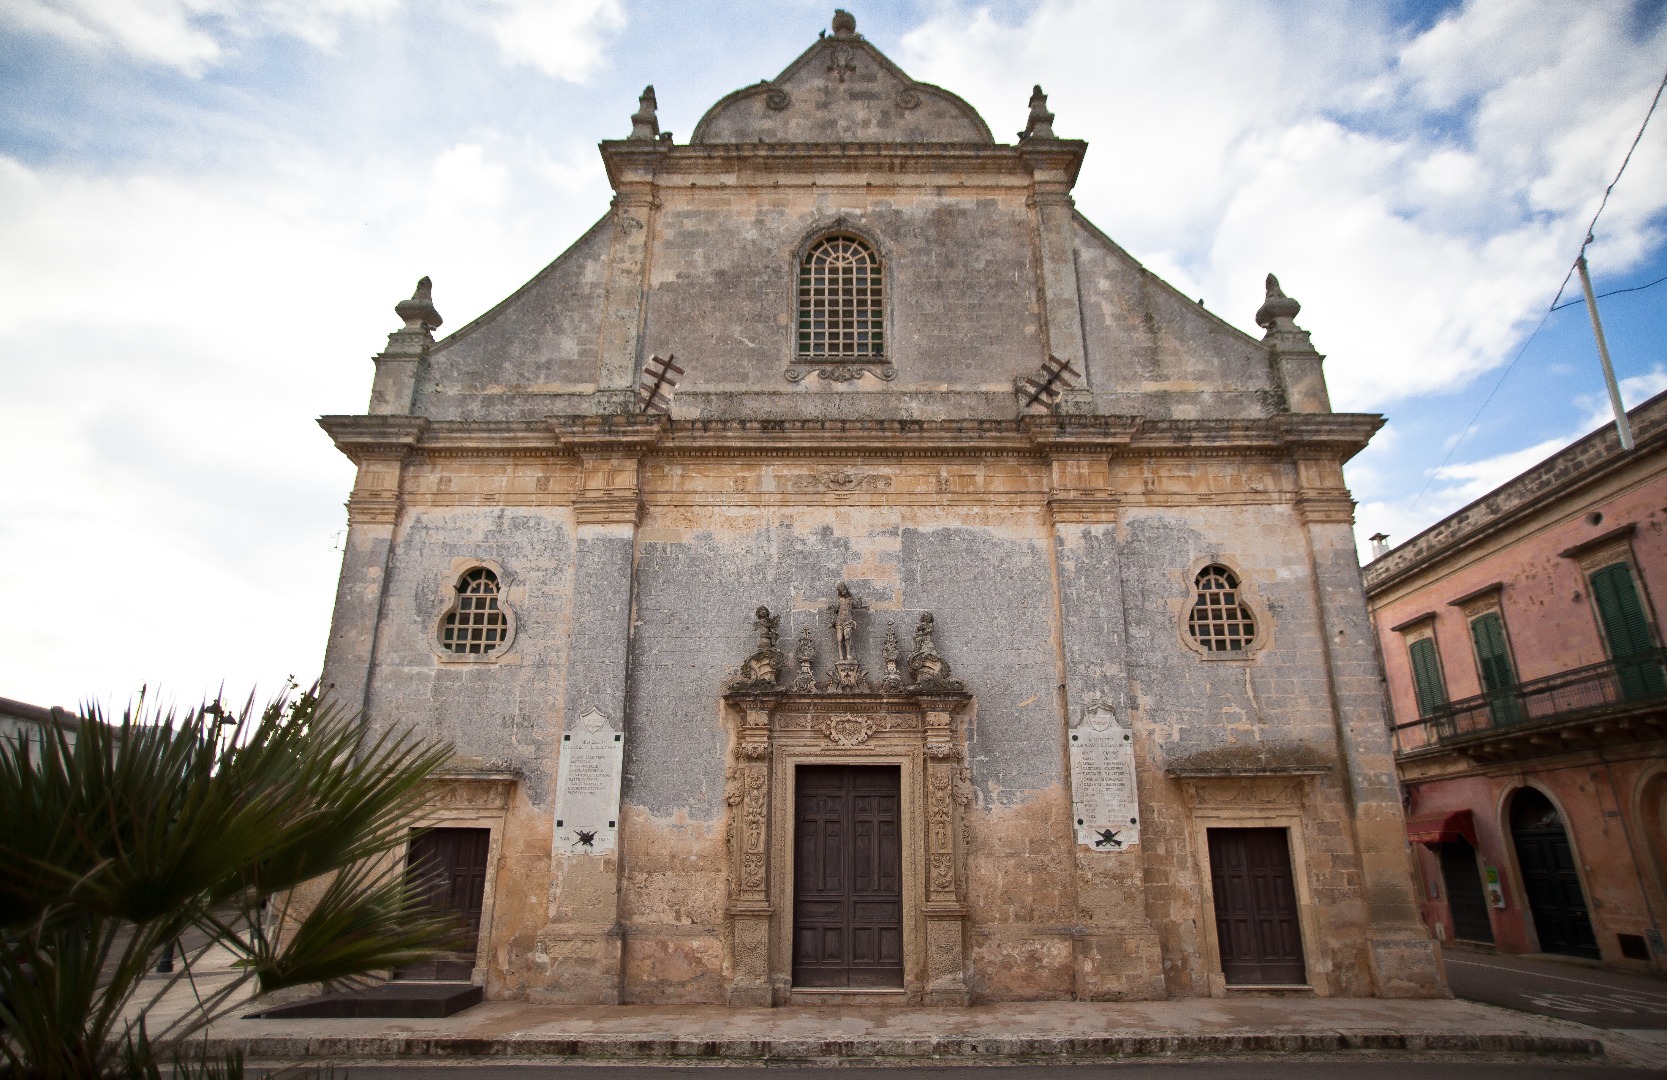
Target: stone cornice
[1334, 436]
[1585, 462]
[362, 437]
[628, 160]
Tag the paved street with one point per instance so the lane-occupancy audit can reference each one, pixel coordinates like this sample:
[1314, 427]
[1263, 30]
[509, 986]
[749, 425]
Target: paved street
[1222, 1070]
[1636, 1004]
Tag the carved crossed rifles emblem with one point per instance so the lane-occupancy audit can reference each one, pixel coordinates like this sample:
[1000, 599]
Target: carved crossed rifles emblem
[1107, 838]
[584, 838]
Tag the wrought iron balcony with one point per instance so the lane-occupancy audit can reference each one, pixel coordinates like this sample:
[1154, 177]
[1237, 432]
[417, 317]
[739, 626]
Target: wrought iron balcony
[1631, 690]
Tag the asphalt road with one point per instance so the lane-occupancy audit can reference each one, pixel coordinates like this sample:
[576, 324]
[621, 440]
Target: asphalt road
[1223, 1070]
[1608, 999]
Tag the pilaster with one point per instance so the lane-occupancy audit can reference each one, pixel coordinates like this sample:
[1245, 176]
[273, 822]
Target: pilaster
[1401, 954]
[749, 853]
[631, 168]
[1053, 164]
[1117, 955]
[584, 941]
[379, 448]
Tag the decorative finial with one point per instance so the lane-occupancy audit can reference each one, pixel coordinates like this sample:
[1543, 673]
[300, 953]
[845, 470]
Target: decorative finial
[1040, 123]
[645, 124]
[844, 24]
[418, 312]
[1277, 306]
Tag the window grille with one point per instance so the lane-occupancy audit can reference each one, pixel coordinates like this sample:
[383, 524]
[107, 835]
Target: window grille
[840, 300]
[475, 625]
[1219, 621]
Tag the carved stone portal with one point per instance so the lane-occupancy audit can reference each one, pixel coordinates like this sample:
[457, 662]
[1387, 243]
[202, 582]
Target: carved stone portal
[775, 732]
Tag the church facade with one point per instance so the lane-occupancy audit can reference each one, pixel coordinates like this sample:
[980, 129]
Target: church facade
[846, 574]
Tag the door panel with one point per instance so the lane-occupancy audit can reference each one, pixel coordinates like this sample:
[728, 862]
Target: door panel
[454, 862]
[847, 877]
[1256, 909]
[1549, 877]
[1465, 900]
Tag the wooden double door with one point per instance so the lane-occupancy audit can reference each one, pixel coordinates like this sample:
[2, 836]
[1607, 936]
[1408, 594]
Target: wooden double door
[847, 877]
[1257, 929]
[1550, 878]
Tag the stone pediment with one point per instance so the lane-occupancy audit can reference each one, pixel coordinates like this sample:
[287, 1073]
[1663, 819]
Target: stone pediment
[842, 90]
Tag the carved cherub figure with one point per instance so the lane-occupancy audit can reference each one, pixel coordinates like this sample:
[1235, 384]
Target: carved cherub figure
[929, 670]
[762, 669]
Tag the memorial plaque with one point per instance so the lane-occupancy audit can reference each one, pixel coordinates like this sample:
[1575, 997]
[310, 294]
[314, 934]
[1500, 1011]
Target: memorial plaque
[1104, 803]
[587, 787]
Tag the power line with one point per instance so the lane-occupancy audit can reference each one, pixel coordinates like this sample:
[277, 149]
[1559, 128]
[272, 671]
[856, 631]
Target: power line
[1590, 227]
[1612, 292]
[1606, 191]
[1465, 431]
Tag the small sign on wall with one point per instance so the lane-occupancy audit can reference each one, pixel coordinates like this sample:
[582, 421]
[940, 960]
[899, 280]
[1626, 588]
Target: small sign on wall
[1490, 880]
[587, 787]
[1104, 801]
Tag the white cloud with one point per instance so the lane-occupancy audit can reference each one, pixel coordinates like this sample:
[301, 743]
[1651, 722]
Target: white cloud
[189, 35]
[565, 39]
[1458, 484]
[165, 343]
[1421, 197]
[164, 32]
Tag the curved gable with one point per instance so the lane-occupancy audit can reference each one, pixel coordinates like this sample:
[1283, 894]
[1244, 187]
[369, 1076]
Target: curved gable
[842, 89]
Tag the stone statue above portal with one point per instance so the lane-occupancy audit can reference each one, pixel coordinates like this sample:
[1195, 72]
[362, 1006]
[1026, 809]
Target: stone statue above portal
[844, 610]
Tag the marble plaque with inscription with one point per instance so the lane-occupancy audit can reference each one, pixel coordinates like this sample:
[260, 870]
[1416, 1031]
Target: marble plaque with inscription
[587, 787]
[1104, 803]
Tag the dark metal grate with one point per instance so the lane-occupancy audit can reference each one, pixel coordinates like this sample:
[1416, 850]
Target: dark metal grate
[1219, 622]
[475, 625]
[840, 300]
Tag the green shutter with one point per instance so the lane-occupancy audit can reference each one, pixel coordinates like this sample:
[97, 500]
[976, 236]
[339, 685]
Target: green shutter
[1426, 676]
[1491, 655]
[1622, 614]
[1493, 659]
[1627, 632]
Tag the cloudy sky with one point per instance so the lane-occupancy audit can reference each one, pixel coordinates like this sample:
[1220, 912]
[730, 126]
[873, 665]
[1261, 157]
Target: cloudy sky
[208, 207]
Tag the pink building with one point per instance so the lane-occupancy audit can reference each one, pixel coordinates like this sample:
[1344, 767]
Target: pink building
[1522, 648]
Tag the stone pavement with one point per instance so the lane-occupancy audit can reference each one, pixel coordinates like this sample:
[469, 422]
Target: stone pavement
[505, 1030]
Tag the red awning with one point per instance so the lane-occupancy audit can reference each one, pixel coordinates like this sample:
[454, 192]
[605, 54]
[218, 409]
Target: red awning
[1445, 827]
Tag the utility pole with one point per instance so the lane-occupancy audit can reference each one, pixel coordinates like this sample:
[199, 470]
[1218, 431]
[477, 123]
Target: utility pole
[1622, 427]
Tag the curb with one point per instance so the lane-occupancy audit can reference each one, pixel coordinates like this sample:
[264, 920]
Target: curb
[283, 1047]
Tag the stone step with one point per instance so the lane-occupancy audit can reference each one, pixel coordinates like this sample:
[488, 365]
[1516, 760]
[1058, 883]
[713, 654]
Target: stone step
[394, 999]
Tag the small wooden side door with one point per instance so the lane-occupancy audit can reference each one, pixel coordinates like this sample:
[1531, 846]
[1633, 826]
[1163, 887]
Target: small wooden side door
[456, 858]
[1256, 907]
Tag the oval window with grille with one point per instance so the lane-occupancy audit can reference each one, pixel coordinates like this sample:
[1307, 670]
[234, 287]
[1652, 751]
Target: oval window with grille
[475, 625]
[1220, 620]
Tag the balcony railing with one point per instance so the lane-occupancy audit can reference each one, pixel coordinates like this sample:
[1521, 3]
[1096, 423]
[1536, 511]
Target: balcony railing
[1614, 686]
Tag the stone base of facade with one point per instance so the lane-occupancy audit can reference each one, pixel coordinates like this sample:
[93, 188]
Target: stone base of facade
[585, 964]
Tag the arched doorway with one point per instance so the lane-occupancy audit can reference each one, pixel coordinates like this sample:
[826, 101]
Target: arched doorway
[1652, 818]
[1549, 876]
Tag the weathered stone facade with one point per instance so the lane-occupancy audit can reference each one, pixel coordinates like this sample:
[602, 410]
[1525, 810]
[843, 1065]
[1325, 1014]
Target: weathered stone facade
[1057, 538]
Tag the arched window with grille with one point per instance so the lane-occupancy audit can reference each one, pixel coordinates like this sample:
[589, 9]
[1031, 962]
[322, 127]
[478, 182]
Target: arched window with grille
[841, 302]
[1220, 620]
[475, 624]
